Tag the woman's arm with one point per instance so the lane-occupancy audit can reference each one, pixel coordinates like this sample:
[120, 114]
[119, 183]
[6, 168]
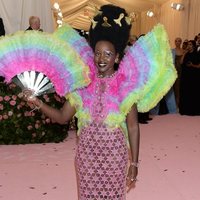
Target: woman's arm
[134, 133]
[61, 116]
[193, 65]
[134, 139]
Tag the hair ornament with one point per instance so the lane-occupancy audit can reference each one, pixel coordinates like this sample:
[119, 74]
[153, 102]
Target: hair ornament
[94, 23]
[105, 23]
[131, 18]
[118, 21]
[128, 20]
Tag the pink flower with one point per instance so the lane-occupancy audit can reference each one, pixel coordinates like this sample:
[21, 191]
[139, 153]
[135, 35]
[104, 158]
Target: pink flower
[14, 97]
[48, 120]
[12, 85]
[5, 116]
[27, 114]
[1, 98]
[30, 127]
[10, 113]
[43, 133]
[19, 115]
[34, 135]
[7, 98]
[1, 106]
[37, 126]
[19, 107]
[22, 103]
[12, 102]
[20, 95]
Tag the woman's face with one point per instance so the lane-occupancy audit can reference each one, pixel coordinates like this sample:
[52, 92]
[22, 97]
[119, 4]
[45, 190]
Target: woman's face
[190, 47]
[178, 42]
[105, 57]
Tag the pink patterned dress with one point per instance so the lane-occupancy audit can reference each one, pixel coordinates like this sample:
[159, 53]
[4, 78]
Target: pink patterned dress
[102, 153]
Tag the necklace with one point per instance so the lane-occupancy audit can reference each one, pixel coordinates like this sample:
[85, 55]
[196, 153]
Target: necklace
[106, 76]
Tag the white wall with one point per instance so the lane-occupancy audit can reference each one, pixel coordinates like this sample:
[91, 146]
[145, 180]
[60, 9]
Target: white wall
[16, 13]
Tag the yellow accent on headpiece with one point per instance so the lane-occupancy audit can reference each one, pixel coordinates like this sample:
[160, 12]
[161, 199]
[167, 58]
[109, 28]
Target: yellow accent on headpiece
[131, 18]
[106, 24]
[94, 23]
[118, 21]
[128, 20]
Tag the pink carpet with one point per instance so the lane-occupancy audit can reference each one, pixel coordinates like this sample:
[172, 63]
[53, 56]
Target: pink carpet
[169, 168]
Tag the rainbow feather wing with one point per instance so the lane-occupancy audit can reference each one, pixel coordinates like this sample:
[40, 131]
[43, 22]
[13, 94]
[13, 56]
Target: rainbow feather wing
[45, 53]
[80, 45]
[148, 70]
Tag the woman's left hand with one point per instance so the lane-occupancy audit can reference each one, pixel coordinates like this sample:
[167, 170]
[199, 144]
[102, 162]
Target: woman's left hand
[189, 64]
[131, 177]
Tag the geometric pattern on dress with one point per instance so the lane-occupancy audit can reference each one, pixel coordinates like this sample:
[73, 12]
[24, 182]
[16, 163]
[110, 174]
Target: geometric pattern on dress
[101, 163]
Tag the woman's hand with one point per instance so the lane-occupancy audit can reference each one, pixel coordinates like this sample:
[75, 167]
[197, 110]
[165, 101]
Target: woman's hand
[189, 64]
[131, 177]
[28, 95]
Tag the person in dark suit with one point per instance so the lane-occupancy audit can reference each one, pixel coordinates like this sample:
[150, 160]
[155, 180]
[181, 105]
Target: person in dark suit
[2, 30]
[34, 24]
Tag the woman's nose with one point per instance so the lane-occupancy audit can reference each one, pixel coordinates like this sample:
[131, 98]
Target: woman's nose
[102, 57]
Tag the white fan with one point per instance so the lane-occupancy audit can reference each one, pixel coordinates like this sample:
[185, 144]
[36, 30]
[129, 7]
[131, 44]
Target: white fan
[35, 81]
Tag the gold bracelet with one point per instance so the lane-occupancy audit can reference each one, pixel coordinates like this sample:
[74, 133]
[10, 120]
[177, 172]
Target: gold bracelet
[134, 179]
[37, 107]
[135, 164]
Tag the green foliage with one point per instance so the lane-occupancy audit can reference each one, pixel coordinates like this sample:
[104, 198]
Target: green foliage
[20, 125]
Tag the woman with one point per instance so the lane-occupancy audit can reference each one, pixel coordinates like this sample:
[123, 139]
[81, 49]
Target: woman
[107, 110]
[190, 81]
[177, 53]
[102, 154]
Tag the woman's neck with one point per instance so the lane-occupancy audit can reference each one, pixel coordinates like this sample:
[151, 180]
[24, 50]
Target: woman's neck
[100, 75]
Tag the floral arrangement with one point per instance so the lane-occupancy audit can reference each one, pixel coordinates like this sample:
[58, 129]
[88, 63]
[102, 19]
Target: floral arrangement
[21, 124]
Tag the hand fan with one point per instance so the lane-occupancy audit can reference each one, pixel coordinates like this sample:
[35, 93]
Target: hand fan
[35, 81]
[35, 55]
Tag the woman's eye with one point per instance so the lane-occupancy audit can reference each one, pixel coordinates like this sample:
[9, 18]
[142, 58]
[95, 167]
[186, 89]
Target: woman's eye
[97, 54]
[108, 54]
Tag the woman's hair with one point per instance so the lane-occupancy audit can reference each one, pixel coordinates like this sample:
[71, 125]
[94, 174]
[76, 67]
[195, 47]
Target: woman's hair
[193, 42]
[111, 24]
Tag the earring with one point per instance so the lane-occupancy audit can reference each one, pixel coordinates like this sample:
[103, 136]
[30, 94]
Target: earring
[116, 60]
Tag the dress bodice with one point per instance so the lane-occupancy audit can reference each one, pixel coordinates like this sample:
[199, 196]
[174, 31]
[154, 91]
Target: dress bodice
[101, 98]
[100, 103]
